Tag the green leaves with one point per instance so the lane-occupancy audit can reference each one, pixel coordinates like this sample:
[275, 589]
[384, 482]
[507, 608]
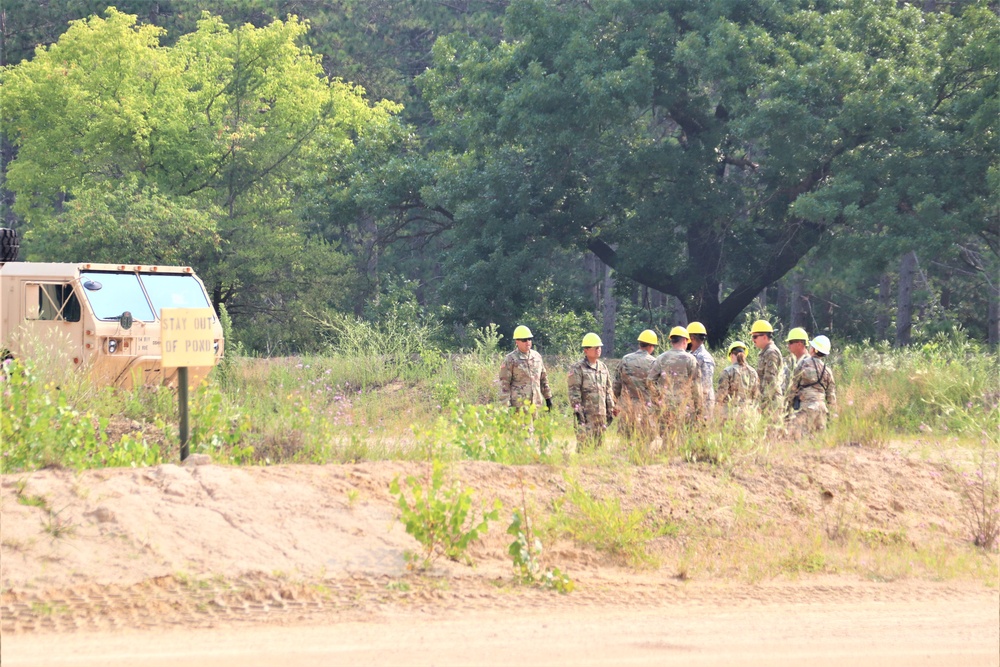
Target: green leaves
[705, 154]
[439, 517]
[198, 153]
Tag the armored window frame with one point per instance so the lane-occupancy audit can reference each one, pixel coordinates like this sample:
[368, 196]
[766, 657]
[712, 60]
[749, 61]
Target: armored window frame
[57, 302]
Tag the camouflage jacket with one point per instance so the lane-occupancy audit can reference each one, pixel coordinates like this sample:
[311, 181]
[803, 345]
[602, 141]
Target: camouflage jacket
[630, 376]
[813, 384]
[706, 365]
[590, 391]
[674, 380]
[770, 369]
[738, 384]
[523, 378]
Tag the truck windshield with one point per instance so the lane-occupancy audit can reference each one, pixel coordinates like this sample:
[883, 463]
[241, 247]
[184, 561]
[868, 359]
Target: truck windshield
[174, 291]
[117, 293]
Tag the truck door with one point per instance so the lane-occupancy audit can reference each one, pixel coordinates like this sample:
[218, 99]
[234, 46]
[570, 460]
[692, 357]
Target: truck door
[52, 321]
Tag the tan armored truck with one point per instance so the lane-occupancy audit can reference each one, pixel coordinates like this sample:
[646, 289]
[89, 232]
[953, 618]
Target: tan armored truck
[103, 318]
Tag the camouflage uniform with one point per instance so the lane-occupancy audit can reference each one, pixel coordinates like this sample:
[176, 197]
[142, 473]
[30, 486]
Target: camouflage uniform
[632, 394]
[770, 369]
[811, 395]
[523, 380]
[706, 365]
[674, 383]
[592, 398]
[739, 388]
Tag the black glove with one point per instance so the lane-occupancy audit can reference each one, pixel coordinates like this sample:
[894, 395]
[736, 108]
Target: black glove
[579, 418]
[611, 418]
[548, 404]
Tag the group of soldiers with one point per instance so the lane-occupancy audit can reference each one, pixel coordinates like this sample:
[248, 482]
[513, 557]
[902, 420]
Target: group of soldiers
[656, 395]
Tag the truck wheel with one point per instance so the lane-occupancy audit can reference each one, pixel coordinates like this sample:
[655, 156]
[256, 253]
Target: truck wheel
[8, 245]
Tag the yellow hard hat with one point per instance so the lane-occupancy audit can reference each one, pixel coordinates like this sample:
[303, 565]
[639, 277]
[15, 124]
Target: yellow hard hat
[522, 333]
[737, 345]
[761, 326]
[821, 344]
[679, 331]
[798, 333]
[649, 337]
[592, 340]
[696, 328]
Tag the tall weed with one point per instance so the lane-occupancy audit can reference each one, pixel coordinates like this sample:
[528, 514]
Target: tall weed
[605, 526]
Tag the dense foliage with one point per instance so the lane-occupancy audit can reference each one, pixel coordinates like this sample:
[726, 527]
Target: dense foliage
[779, 157]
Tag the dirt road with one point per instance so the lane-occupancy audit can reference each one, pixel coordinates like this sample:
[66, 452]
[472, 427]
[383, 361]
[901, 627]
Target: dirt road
[930, 629]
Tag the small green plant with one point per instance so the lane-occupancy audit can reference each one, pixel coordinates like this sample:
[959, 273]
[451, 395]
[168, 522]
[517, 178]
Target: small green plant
[497, 433]
[57, 526]
[352, 498]
[33, 501]
[526, 551]
[439, 517]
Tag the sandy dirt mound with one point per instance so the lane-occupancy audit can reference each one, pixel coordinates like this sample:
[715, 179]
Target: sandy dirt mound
[212, 545]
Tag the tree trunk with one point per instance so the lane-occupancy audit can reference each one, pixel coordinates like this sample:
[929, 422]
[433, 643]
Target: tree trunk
[904, 301]
[609, 311]
[799, 312]
[993, 317]
[884, 296]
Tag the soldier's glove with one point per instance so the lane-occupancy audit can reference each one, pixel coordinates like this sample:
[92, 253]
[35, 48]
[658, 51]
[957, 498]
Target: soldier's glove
[548, 404]
[611, 418]
[579, 418]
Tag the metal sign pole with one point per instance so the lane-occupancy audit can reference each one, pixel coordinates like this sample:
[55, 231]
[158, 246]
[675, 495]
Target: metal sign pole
[182, 407]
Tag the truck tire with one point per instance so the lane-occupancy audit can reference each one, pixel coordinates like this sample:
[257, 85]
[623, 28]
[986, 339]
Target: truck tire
[8, 245]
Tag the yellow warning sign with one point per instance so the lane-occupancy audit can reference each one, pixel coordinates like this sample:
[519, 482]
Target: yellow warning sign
[187, 337]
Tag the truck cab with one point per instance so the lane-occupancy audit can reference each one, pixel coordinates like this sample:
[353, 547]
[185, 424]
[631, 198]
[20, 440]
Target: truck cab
[105, 318]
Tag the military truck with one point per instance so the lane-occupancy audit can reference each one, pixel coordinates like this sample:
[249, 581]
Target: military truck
[103, 318]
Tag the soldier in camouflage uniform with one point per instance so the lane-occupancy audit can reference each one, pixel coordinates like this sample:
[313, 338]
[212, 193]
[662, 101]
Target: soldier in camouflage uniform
[770, 367]
[631, 392]
[706, 364]
[674, 383]
[739, 385]
[591, 394]
[812, 393]
[523, 380]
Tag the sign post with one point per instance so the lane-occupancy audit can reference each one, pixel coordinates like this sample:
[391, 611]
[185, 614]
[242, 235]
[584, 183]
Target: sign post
[187, 340]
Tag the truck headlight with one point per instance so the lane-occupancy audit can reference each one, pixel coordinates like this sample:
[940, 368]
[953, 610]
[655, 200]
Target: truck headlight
[112, 346]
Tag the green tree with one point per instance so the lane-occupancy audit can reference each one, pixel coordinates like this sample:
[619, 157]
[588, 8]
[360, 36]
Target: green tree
[704, 153]
[233, 124]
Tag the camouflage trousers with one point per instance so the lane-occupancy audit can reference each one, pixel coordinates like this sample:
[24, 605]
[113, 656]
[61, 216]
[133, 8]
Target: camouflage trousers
[635, 423]
[590, 435]
[807, 419]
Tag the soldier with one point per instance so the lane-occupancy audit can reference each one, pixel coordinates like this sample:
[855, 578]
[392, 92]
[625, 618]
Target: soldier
[631, 392]
[590, 393]
[797, 339]
[739, 385]
[674, 383]
[812, 393]
[706, 364]
[523, 380]
[770, 367]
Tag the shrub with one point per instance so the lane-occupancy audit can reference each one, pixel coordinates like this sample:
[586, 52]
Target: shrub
[440, 518]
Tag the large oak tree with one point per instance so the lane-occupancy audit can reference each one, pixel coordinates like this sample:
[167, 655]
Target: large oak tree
[703, 149]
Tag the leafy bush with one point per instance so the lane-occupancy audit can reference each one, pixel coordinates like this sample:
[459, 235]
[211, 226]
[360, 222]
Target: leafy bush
[439, 517]
[40, 427]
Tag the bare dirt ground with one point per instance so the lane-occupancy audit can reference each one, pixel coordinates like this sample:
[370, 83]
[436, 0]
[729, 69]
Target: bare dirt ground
[304, 565]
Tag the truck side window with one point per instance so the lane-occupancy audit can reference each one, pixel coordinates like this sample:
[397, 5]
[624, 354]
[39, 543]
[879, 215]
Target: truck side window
[57, 301]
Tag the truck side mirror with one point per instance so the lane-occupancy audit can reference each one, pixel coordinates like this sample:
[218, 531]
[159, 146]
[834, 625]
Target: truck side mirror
[125, 320]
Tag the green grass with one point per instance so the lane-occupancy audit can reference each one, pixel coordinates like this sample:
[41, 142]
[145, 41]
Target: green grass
[348, 408]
